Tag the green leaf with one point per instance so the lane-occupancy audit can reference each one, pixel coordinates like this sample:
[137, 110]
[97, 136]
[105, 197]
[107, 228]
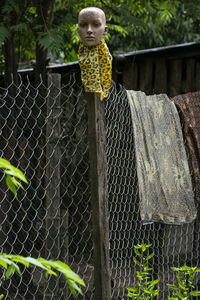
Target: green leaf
[195, 293]
[16, 173]
[138, 246]
[136, 262]
[4, 34]
[182, 285]
[147, 268]
[149, 256]
[32, 10]
[154, 282]
[39, 263]
[17, 258]
[179, 295]
[16, 183]
[186, 268]
[4, 262]
[19, 27]
[74, 287]
[4, 163]
[11, 170]
[137, 252]
[171, 286]
[8, 264]
[11, 174]
[131, 294]
[156, 292]
[1, 296]
[119, 29]
[9, 6]
[64, 269]
[11, 185]
[133, 289]
[51, 41]
[11, 269]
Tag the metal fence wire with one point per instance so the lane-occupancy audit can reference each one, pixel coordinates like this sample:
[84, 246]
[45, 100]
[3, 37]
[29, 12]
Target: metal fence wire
[44, 133]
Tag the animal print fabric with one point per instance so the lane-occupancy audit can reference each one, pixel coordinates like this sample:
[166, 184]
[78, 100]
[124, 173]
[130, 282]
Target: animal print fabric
[96, 68]
[189, 107]
[164, 181]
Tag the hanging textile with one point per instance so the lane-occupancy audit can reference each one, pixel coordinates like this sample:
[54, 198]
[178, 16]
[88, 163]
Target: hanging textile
[165, 188]
[96, 68]
[189, 107]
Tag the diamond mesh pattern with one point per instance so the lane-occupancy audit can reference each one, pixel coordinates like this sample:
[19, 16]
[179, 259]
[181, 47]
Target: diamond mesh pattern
[44, 133]
[173, 245]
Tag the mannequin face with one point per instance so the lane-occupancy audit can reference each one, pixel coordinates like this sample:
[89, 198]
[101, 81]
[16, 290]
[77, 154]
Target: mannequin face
[91, 26]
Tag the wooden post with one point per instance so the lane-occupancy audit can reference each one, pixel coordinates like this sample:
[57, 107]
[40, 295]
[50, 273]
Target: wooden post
[99, 199]
[53, 178]
[64, 248]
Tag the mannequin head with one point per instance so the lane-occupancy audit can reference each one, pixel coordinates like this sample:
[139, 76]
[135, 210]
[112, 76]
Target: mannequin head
[91, 26]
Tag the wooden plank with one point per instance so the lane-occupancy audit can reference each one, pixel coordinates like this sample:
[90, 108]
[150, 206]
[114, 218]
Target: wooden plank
[189, 82]
[99, 200]
[160, 78]
[146, 75]
[197, 77]
[130, 75]
[175, 77]
[53, 178]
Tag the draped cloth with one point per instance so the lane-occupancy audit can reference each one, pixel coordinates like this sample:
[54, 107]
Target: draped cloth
[165, 187]
[189, 107]
[96, 68]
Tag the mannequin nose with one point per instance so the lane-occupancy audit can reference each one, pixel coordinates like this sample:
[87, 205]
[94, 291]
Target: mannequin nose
[89, 29]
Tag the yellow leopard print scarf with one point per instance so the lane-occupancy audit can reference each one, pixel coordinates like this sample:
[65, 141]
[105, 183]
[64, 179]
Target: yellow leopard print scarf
[96, 68]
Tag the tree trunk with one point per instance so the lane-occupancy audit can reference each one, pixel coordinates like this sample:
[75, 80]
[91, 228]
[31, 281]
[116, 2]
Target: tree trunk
[45, 9]
[10, 60]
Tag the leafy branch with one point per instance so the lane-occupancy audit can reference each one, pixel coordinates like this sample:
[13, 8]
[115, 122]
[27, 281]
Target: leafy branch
[146, 288]
[9, 261]
[185, 287]
[12, 176]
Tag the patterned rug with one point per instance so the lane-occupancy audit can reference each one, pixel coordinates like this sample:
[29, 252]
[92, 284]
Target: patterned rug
[189, 107]
[165, 186]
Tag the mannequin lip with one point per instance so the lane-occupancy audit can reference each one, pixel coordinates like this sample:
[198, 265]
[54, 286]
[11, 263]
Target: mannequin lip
[89, 37]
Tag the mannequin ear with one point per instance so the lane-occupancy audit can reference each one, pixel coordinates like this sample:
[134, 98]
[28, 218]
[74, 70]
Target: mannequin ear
[105, 30]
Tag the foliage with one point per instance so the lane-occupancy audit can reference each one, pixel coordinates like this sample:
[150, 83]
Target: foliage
[9, 261]
[133, 25]
[146, 288]
[185, 287]
[12, 175]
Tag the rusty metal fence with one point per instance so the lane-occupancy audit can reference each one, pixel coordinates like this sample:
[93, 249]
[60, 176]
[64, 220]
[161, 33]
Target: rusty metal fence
[44, 132]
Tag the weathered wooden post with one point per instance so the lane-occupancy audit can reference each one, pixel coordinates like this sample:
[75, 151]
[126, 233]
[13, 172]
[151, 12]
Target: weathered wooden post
[99, 199]
[53, 178]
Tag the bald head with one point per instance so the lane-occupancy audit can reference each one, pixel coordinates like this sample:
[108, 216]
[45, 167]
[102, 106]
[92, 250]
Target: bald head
[91, 25]
[93, 10]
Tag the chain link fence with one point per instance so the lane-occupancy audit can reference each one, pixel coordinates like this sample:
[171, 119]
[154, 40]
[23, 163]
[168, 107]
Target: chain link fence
[44, 132]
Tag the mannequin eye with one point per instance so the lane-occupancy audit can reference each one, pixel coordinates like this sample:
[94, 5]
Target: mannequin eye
[82, 25]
